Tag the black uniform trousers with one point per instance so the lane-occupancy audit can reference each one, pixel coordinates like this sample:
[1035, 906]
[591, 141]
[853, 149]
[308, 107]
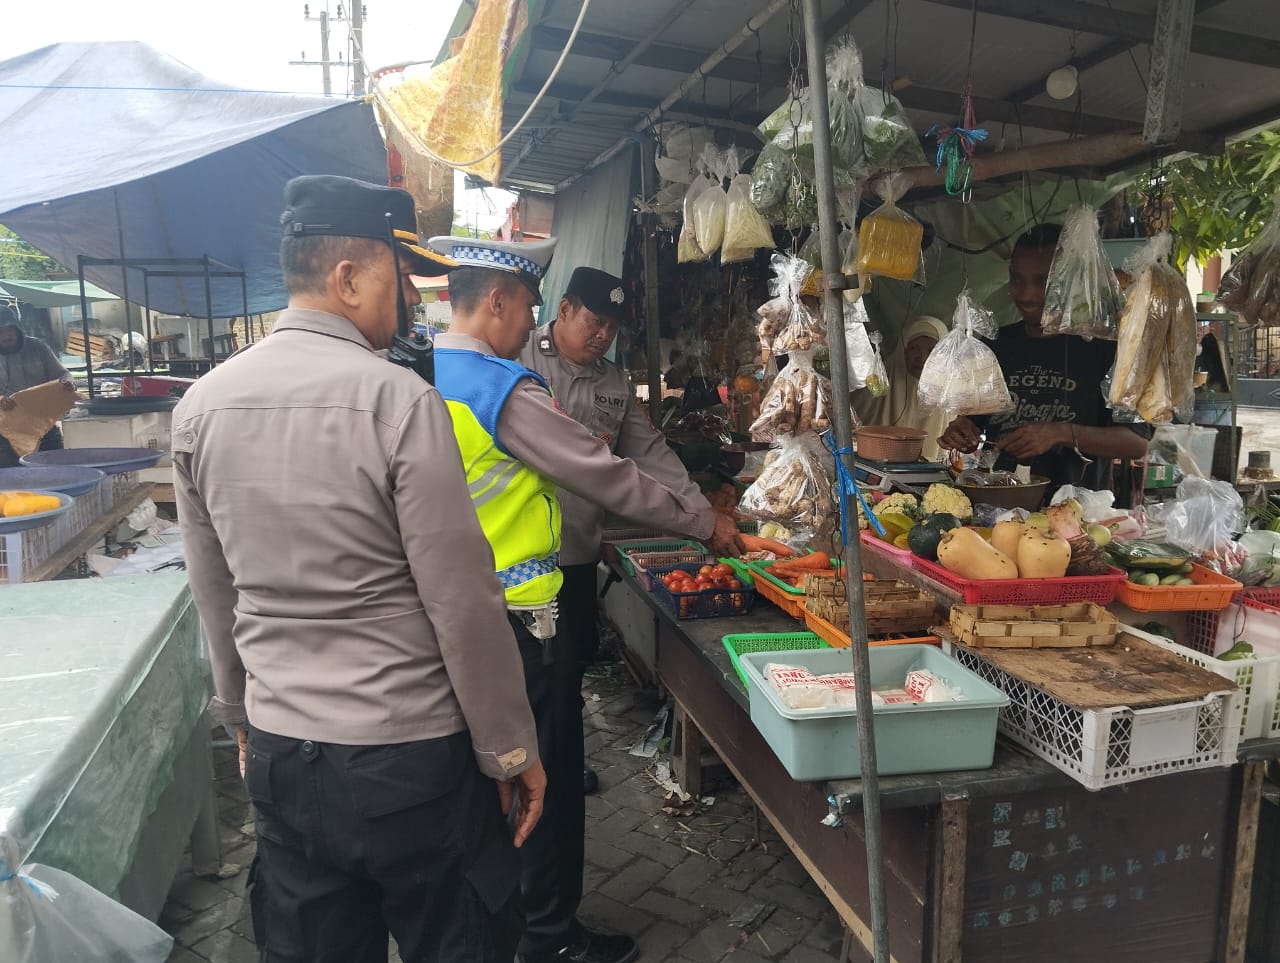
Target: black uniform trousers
[356, 841]
[552, 857]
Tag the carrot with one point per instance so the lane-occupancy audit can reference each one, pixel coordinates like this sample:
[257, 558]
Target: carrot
[754, 543]
[805, 563]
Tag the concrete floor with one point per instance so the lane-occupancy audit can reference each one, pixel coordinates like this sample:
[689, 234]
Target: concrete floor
[675, 883]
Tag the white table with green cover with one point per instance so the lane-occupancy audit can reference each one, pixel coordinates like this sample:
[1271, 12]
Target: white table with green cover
[104, 752]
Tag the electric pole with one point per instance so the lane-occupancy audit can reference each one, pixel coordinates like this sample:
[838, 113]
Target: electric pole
[358, 11]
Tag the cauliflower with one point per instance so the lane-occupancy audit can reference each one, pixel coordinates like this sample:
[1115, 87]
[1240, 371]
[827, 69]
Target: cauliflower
[944, 498]
[900, 503]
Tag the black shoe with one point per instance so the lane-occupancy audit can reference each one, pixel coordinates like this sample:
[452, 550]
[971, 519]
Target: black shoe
[590, 782]
[592, 948]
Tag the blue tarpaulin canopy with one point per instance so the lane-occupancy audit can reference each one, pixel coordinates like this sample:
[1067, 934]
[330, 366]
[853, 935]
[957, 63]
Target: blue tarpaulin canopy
[111, 144]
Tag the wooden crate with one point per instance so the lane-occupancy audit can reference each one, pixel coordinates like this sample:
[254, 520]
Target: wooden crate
[1034, 626]
[103, 349]
[891, 606]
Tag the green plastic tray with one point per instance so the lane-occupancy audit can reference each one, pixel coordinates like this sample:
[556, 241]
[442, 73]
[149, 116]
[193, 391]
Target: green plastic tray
[741, 569]
[739, 645]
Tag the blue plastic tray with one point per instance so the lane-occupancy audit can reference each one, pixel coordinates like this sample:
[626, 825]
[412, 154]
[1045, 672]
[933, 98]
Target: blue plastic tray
[69, 479]
[23, 523]
[113, 461]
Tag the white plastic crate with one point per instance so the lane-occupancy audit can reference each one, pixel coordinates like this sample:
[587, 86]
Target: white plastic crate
[115, 487]
[1258, 678]
[1107, 747]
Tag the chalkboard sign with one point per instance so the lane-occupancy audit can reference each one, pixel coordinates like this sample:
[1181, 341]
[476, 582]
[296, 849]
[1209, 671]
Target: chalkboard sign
[1135, 873]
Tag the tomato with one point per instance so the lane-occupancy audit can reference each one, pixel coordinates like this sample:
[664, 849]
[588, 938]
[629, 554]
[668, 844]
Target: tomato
[732, 583]
[721, 570]
[707, 570]
[705, 581]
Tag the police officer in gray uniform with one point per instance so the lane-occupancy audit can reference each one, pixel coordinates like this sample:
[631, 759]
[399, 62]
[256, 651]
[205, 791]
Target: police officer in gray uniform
[569, 354]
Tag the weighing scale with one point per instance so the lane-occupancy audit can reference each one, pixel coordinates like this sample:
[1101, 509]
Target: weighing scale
[885, 476]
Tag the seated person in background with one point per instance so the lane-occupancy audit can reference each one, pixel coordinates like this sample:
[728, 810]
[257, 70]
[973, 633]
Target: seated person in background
[1061, 425]
[900, 406]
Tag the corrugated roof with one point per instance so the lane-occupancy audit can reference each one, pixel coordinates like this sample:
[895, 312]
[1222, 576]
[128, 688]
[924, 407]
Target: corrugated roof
[1232, 76]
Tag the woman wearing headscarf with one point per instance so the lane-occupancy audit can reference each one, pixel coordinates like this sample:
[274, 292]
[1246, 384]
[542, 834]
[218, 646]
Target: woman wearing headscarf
[900, 406]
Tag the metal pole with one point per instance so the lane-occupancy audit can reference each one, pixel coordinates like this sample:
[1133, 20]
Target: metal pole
[357, 51]
[244, 298]
[833, 305]
[124, 279]
[208, 306]
[84, 328]
[652, 300]
[146, 307]
[324, 52]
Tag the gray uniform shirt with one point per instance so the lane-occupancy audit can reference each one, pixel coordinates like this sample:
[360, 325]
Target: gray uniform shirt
[600, 398]
[536, 430]
[32, 364]
[346, 588]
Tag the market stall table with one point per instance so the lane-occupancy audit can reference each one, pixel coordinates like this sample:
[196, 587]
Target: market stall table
[106, 761]
[1017, 862]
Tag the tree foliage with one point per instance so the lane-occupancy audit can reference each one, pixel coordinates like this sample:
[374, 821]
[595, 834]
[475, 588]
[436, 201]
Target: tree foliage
[19, 261]
[1220, 203]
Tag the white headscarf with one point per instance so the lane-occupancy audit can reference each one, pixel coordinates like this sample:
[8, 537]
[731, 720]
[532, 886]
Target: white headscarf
[900, 405]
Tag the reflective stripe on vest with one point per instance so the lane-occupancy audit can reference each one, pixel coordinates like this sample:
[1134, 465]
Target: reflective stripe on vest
[517, 507]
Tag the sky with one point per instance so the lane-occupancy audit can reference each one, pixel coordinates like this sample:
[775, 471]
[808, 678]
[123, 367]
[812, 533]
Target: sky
[249, 43]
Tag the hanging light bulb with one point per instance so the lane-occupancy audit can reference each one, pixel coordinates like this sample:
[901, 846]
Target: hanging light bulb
[1062, 83]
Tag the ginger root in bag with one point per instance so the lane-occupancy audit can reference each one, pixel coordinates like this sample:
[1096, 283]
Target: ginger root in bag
[962, 375]
[796, 490]
[799, 400]
[799, 329]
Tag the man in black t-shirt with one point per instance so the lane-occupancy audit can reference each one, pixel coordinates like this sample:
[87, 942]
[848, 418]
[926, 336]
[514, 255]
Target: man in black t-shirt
[1060, 424]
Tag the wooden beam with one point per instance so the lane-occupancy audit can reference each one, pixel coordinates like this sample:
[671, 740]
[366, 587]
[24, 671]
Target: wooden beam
[1241, 881]
[1168, 81]
[1113, 48]
[1103, 20]
[679, 60]
[952, 854]
[1005, 112]
[1086, 151]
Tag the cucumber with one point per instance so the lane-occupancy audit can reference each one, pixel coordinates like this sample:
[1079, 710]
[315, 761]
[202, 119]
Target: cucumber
[1174, 579]
[1186, 568]
[1185, 581]
[1148, 579]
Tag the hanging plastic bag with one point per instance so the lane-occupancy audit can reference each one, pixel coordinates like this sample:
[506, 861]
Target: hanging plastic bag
[878, 381]
[47, 914]
[799, 400]
[889, 238]
[1082, 296]
[711, 207]
[796, 490]
[687, 247]
[1251, 286]
[844, 84]
[1154, 372]
[771, 181]
[862, 355]
[1205, 519]
[745, 231]
[962, 376]
[787, 324]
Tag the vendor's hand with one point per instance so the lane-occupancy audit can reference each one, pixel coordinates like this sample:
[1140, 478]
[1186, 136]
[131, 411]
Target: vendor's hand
[1029, 441]
[7, 403]
[961, 435]
[726, 540]
[532, 784]
[242, 742]
[67, 384]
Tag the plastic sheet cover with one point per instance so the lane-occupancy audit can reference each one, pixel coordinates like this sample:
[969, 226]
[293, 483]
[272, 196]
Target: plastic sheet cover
[101, 683]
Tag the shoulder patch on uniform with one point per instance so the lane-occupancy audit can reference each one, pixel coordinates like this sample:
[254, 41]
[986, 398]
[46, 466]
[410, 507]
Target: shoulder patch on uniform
[546, 345]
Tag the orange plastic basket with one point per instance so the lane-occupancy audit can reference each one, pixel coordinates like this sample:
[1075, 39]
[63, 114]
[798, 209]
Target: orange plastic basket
[793, 605]
[1211, 593]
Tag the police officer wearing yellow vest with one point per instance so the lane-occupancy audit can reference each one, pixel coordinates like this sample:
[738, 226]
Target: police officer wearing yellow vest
[518, 446]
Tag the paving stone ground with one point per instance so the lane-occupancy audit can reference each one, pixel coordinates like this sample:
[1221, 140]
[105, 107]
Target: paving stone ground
[679, 884]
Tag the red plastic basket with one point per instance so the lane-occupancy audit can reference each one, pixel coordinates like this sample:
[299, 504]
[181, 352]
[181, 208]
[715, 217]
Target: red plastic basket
[1026, 591]
[1211, 593]
[1265, 599]
[876, 544]
[706, 604]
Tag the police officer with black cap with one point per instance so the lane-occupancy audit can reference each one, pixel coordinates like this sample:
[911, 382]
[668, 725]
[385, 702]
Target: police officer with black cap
[358, 634]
